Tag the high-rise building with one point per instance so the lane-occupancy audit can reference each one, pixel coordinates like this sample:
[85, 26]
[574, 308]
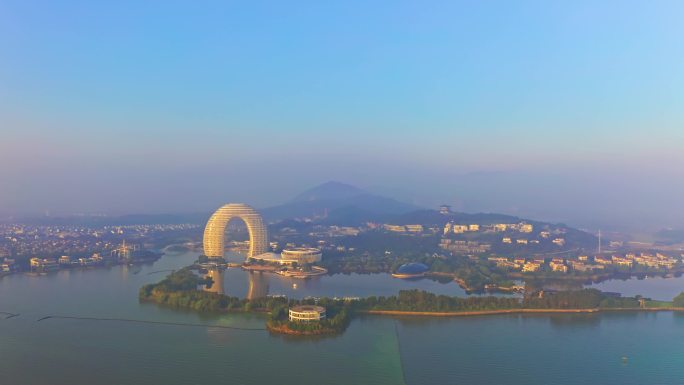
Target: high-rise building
[214, 232]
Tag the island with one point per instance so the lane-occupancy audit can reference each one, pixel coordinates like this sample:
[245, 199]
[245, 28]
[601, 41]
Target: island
[180, 290]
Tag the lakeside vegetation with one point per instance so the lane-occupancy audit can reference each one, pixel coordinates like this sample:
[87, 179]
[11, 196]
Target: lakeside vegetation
[180, 290]
[338, 318]
[421, 301]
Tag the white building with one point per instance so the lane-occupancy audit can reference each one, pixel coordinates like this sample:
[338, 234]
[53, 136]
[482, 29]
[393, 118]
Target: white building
[306, 313]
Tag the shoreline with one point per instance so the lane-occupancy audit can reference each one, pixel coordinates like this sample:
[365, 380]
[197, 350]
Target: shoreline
[515, 311]
[285, 330]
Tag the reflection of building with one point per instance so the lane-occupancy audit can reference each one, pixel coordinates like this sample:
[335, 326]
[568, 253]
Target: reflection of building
[216, 276]
[301, 255]
[214, 232]
[306, 313]
[258, 285]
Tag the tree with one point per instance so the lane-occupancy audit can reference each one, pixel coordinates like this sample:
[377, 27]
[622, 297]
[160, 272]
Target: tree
[678, 301]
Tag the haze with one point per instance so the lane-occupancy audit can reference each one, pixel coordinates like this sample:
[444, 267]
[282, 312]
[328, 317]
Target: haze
[569, 112]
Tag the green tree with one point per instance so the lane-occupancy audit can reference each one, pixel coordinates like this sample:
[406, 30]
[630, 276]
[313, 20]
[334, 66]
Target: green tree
[678, 301]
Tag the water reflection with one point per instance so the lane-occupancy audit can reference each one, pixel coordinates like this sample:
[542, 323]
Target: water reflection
[258, 285]
[534, 286]
[216, 276]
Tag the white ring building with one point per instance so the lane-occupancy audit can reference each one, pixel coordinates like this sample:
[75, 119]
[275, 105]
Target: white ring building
[306, 313]
[301, 255]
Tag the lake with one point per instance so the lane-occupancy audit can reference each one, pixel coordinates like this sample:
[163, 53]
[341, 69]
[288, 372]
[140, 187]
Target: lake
[234, 348]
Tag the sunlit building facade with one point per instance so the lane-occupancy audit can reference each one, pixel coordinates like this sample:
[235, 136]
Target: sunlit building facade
[214, 232]
[306, 313]
[301, 255]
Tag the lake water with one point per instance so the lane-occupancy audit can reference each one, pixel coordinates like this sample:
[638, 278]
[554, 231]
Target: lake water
[660, 288]
[559, 349]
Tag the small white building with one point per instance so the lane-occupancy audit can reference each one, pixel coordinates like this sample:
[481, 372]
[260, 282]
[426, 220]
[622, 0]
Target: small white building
[306, 313]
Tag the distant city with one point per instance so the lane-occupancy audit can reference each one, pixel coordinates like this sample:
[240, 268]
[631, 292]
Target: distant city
[482, 252]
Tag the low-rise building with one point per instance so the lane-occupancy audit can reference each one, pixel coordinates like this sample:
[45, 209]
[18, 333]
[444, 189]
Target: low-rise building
[43, 264]
[621, 261]
[603, 260]
[9, 266]
[504, 262]
[583, 267]
[558, 266]
[394, 228]
[531, 266]
[464, 247]
[306, 313]
[301, 255]
[501, 227]
[445, 209]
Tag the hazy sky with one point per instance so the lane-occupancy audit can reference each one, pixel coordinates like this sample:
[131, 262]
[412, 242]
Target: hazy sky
[569, 110]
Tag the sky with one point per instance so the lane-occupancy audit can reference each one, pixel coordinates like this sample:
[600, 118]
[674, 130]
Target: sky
[562, 110]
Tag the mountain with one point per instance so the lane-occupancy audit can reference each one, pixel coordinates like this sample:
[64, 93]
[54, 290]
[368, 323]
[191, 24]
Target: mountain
[329, 191]
[433, 217]
[345, 203]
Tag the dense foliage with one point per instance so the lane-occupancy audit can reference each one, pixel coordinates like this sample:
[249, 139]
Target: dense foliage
[579, 299]
[379, 252]
[678, 301]
[338, 317]
[179, 290]
[422, 301]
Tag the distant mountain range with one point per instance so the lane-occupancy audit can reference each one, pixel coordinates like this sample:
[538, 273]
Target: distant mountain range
[338, 202]
[329, 203]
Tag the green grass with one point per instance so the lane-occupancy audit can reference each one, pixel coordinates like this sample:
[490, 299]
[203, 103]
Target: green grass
[658, 304]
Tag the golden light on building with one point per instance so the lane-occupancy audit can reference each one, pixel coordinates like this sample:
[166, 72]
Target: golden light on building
[214, 232]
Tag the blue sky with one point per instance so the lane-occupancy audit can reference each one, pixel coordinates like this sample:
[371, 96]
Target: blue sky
[179, 106]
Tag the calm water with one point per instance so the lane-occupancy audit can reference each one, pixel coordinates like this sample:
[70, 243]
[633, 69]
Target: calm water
[652, 287]
[374, 350]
